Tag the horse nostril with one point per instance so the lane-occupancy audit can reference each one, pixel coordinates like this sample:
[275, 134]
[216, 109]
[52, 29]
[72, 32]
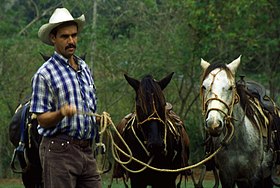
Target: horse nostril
[214, 124]
[220, 123]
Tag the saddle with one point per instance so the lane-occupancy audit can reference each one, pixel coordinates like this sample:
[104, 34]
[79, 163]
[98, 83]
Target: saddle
[176, 126]
[258, 91]
[270, 110]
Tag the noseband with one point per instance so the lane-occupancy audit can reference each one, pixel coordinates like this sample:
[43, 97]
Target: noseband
[227, 115]
[154, 116]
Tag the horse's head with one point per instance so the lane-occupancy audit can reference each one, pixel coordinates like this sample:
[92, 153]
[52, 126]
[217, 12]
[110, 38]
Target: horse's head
[150, 110]
[218, 93]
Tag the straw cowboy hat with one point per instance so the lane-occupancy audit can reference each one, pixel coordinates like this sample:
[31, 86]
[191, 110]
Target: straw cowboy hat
[59, 16]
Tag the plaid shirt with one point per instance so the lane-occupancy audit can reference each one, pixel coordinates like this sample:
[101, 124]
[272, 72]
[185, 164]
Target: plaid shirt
[56, 83]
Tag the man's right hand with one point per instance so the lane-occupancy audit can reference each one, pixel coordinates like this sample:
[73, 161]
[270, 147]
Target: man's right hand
[68, 110]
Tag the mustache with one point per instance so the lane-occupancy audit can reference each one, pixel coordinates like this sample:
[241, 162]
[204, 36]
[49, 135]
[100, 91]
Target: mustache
[70, 46]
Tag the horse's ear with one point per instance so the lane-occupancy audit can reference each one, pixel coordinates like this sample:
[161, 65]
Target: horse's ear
[83, 57]
[45, 57]
[165, 81]
[133, 82]
[234, 65]
[204, 64]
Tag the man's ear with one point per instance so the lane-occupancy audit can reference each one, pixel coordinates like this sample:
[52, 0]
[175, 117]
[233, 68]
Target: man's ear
[52, 37]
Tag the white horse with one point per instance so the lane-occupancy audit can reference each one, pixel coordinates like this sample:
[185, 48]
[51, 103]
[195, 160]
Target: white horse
[235, 119]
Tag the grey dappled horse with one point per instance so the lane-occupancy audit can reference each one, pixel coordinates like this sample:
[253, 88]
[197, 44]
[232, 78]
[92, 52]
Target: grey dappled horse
[235, 119]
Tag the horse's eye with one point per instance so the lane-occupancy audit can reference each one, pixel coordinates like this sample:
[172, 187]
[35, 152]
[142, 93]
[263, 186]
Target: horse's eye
[230, 88]
[203, 87]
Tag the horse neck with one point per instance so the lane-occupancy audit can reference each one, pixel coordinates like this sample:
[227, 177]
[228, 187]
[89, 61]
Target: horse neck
[245, 132]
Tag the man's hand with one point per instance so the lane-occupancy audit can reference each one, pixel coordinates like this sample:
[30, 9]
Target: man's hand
[68, 110]
[51, 119]
[98, 119]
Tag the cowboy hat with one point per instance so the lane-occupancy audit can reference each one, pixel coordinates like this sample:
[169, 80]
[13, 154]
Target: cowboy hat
[59, 16]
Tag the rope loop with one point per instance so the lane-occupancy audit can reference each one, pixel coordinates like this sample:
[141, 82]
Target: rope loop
[105, 124]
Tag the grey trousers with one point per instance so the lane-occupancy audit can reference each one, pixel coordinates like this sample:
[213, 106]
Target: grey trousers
[67, 164]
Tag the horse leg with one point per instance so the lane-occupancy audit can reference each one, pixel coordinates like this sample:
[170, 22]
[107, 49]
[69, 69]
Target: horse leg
[263, 183]
[32, 178]
[226, 181]
[165, 181]
[244, 184]
[267, 182]
[137, 182]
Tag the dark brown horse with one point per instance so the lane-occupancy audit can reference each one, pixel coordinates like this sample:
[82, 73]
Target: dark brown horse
[154, 134]
[24, 136]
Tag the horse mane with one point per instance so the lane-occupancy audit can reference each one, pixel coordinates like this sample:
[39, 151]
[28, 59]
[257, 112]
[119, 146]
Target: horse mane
[247, 102]
[147, 88]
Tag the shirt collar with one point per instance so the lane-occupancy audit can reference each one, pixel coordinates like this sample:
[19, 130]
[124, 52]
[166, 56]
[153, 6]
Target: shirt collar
[64, 60]
[60, 58]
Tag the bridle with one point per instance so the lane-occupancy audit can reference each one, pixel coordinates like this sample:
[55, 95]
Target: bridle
[153, 116]
[228, 118]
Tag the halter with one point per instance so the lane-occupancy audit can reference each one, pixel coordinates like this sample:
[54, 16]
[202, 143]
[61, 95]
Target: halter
[227, 115]
[154, 116]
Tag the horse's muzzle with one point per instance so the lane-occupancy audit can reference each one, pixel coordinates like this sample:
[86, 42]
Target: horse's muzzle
[214, 128]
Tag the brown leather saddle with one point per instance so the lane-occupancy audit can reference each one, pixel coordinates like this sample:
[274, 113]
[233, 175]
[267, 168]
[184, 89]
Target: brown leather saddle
[272, 112]
[259, 91]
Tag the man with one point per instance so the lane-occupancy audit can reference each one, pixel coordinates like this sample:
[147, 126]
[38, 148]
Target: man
[64, 100]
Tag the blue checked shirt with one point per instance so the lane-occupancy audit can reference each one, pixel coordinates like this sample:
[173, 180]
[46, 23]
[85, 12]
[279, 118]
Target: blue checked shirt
[56, 83]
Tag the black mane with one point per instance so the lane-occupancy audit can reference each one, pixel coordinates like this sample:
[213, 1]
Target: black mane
[150, 96]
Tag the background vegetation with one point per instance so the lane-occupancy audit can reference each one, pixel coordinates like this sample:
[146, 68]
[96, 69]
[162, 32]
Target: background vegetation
[140, 37]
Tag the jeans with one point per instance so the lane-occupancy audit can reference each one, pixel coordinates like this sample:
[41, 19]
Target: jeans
[67, 164]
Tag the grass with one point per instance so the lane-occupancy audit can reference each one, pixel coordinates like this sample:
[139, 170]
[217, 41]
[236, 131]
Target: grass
[106, 178]
[16, 183]
[11, 183]
[207, 184]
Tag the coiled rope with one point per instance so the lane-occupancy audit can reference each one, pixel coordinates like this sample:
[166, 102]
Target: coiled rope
[105, 124]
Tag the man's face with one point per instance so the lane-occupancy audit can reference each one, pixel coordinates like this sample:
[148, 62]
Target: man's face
[65, 40]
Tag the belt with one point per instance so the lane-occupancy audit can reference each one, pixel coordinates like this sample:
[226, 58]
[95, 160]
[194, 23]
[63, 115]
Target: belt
[76, 141]
[81, 143]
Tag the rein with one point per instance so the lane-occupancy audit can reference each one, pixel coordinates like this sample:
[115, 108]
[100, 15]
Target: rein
[105, 127]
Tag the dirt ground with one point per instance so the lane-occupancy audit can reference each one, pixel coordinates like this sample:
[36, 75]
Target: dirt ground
[10, 181]
[208, 176]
